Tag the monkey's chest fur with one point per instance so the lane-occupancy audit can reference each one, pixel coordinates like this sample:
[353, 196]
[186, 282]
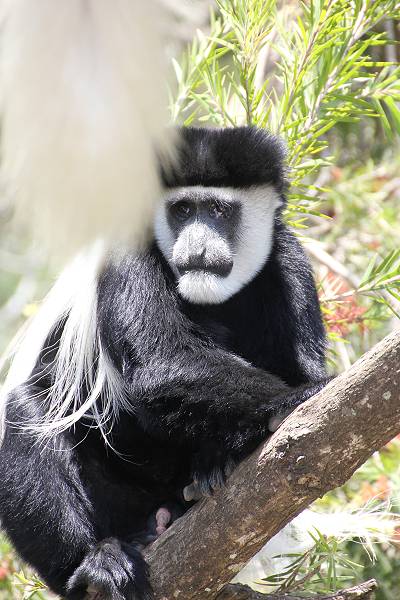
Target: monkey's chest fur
[148, 473]
[142, 473]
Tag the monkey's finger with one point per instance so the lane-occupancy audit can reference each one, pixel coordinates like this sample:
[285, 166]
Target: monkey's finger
[275, 421]
[163, 518]
[192, 492]
[93, 594]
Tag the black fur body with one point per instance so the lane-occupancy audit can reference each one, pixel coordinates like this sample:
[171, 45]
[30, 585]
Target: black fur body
[202, 382]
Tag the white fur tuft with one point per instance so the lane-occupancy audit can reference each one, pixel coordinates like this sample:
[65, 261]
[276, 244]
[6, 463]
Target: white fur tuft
[83, 107]
[80, 358]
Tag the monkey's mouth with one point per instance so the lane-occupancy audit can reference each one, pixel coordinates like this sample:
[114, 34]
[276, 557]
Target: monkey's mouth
[221, 269]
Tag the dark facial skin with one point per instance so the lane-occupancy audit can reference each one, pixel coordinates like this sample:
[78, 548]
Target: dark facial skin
[221, 219]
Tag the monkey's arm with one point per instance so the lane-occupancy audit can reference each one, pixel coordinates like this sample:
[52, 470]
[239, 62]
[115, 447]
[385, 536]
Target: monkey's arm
[294, 311]
[182, 385]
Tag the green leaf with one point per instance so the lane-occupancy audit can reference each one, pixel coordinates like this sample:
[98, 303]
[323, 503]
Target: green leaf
[394, 112]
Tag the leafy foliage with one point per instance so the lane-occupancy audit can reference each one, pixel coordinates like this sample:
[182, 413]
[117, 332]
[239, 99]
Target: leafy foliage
[15, 583]
[323, 568]
[353, 541]
[321, 73]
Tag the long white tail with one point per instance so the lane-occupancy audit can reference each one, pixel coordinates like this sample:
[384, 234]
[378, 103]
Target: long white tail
[80, 361]
[83, 109]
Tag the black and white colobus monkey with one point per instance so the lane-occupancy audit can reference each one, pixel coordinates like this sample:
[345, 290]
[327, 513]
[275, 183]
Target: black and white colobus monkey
[158, 369]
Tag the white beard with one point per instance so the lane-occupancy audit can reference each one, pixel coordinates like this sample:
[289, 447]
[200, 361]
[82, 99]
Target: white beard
[201, 287]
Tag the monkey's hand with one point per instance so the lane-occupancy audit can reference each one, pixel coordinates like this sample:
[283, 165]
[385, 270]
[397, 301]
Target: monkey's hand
[192, 493]
[216, 472]
[211, 466]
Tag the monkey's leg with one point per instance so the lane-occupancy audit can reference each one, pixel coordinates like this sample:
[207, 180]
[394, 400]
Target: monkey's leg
[46, 512]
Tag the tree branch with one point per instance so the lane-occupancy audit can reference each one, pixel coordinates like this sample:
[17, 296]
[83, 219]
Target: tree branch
[317, 448]
[363, 591]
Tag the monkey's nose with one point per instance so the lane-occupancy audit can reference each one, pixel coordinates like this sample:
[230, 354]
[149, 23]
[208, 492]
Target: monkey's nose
[198, 252]
[196, 247]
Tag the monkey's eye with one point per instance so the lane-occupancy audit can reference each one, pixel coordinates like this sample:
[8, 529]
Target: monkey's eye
[182, 210]
[219, 210]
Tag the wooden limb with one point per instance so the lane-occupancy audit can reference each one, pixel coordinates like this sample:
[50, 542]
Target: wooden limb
[318, 448]
[363, 591]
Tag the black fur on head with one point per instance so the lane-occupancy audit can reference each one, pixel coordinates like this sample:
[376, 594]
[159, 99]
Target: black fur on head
[239, 157]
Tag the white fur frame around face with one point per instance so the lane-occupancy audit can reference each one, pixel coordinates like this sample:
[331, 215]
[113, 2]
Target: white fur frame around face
[255, 236]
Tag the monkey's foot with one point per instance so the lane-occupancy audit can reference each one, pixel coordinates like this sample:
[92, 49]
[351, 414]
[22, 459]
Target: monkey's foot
[112, 570]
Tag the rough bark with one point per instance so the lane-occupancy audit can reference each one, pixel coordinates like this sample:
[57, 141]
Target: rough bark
[363, 591]
[317, 448]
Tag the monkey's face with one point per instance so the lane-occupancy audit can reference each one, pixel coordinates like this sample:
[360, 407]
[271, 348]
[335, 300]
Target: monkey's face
[216, 239]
